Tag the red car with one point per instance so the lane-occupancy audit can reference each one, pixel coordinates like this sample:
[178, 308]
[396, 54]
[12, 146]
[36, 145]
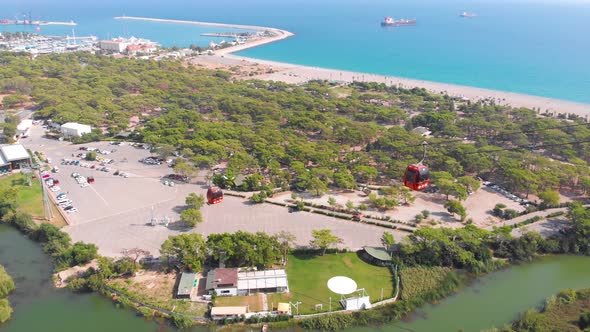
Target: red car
[90, 179]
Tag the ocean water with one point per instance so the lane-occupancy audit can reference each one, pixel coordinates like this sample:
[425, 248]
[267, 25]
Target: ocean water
[537, 47]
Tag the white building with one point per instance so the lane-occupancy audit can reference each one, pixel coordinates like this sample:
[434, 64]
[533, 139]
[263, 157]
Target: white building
[13, 156]
[73, 129]
[232, 282]
[24, 128]
[115, 45]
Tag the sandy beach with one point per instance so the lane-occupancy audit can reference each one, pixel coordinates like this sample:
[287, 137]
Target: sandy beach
[291, 73]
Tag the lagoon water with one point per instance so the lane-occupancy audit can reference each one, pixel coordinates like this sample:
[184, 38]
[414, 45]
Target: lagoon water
[493, 300]
[537, 47]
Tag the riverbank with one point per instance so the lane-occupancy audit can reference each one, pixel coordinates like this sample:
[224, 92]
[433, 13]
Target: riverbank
[568, 310]
[273, 34]
[6, 287]
[297, 74]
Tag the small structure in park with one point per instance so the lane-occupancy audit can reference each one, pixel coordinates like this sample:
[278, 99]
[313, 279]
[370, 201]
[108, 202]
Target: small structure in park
[214, 195]
[283, 308]
[24, 128]
[376, 255]
[73, 129]
[345, 286]
[14, 156]
[232, 282]
[218, 313]
[187, 286]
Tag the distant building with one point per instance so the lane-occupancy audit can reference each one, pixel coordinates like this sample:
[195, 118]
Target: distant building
[218, 313]
[140, 48]
[187, 286]
[14, 156]
[232, 282]
[73, 129]
[115, 45]
[130, 45]
[24, 128]
[422, 131]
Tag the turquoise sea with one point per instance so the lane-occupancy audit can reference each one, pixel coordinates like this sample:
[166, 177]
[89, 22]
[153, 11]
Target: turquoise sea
[537, 47]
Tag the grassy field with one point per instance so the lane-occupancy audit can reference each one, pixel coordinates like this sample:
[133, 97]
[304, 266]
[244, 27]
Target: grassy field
[29, 198]
[309, 275]
[416, 281]
[254, 302]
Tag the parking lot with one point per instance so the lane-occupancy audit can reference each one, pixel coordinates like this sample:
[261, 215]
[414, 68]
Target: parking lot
[115, 212]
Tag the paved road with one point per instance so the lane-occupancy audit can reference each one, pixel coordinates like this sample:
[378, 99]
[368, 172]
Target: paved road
[115, 212]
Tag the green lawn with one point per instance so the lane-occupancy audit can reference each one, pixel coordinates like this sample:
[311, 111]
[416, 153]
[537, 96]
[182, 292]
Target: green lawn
[29, 198]
[308, 277]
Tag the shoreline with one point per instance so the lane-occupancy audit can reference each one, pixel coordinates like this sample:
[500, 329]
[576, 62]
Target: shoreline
[279, 34]
[296, 74]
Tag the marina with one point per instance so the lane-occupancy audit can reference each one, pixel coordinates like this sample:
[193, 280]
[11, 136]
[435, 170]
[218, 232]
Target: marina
[37, 44]
[33, 22]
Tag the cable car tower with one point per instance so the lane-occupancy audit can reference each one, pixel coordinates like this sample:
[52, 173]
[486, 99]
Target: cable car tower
[417, 176]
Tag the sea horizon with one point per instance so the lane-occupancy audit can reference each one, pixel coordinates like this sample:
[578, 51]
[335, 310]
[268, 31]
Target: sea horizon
[513, 46]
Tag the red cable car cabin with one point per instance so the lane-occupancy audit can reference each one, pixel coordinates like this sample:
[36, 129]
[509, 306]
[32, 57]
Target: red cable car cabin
[214, 195]
[417, 177]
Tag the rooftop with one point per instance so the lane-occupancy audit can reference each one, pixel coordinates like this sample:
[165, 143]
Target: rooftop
[14, 152]
[222, 277]
[228, 311]
[252, 280]
[188, 281]
[378, 253]
[75, 125]
[3, 162]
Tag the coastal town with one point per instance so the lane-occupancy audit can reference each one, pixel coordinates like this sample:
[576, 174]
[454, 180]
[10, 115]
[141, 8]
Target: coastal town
[203, 187]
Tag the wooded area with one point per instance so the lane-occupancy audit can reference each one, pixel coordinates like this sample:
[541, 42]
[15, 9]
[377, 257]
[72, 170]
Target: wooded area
[307, 137]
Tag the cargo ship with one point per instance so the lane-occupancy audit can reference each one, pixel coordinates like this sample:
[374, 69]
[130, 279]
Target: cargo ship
[391, 22]
[466, 14]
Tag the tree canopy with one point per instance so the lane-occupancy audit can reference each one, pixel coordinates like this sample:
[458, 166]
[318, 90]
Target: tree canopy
[307, 137]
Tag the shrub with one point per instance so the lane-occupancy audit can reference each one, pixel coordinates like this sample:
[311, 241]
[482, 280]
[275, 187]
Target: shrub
[328, 322]
[146, 312]
[510, 214]
[78, 285]
[420, 281]
[5, 310]
[584, 321]
[182, 322]
[6, 283]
